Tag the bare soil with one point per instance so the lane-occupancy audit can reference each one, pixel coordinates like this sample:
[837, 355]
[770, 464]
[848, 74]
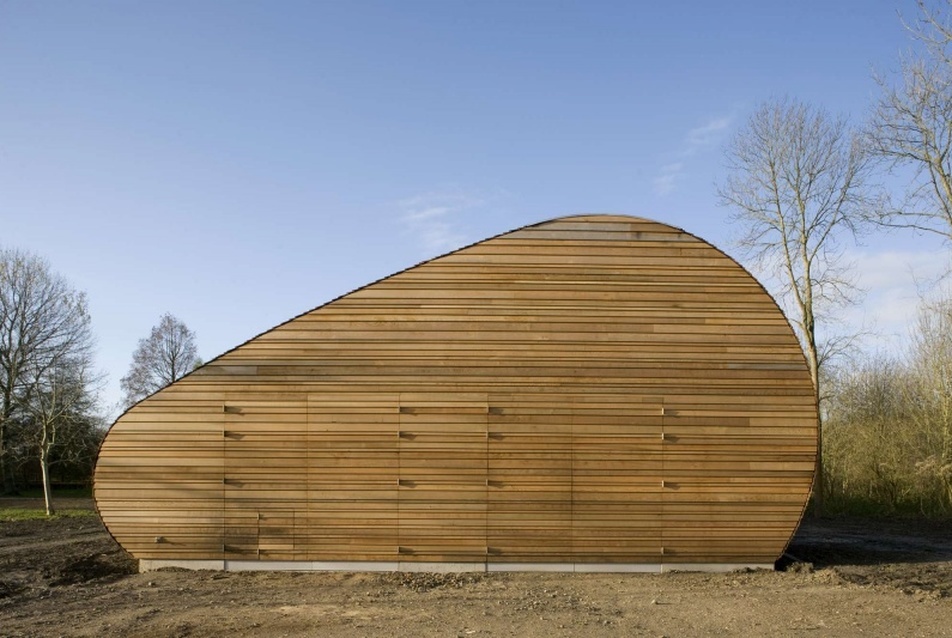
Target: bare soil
[67, 577]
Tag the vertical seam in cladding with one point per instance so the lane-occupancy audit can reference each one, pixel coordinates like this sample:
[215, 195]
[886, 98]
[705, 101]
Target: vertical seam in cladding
[224, 521]
[663, 450]
[486, 489]
[305, 531]
[398, 491]
[572, 530]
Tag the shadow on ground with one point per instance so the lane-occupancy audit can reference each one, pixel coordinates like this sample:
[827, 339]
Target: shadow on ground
[912, 556]
[827, 542]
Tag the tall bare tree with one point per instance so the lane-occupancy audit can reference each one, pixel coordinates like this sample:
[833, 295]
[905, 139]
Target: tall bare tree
[797, 184]
[911, 125]
[43, 322]
[168, 354]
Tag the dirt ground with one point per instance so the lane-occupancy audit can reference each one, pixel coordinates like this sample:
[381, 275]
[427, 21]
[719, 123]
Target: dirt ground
[852, 578]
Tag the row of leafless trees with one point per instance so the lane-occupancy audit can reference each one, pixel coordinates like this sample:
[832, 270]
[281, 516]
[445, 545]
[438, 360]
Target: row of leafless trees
[803, 183]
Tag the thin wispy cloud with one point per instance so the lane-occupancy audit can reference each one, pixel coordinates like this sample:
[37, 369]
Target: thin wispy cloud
[897, 281]
[696, 140]
[706, 136]
[428, 213]
[435, 218]
[664, 182]
[890, 268]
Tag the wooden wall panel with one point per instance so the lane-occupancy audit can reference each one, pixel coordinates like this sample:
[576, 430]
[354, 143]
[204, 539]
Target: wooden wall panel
[442, 485]
[161, 477]
[589, 390]
[265, 445]
[353, 474]
[529, 478]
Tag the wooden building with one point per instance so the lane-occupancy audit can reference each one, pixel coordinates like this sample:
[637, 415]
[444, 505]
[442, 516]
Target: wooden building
[590, 393]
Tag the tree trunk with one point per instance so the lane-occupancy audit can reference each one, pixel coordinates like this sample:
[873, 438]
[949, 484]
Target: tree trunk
[47, 489]
[4, 484]
[819, 483]
[6, 480]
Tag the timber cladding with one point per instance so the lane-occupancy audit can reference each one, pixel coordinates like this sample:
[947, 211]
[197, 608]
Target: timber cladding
[592, 390]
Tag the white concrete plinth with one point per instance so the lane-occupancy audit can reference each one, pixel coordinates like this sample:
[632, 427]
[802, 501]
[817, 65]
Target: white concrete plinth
[147, 565]
[619, 568]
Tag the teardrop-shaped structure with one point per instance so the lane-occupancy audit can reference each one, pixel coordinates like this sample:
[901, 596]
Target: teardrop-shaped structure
[589, 393]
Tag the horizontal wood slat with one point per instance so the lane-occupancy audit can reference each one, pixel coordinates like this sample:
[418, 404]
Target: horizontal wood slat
[594, 389]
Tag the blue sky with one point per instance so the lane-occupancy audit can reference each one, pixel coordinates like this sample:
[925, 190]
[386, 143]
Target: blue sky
[238, 163]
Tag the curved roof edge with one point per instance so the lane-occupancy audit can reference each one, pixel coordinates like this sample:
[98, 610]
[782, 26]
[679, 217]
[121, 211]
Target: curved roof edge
[619, 217]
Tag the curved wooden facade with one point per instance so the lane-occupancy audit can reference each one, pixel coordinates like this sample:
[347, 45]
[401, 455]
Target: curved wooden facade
[590, 393]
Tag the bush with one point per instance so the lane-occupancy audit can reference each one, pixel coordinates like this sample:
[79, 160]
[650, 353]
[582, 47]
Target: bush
[887, 435]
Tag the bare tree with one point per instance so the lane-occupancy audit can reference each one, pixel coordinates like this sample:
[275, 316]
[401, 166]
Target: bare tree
[43, 322]
[168, 354]
[60, 415]
[797, 186]
[911, 126]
